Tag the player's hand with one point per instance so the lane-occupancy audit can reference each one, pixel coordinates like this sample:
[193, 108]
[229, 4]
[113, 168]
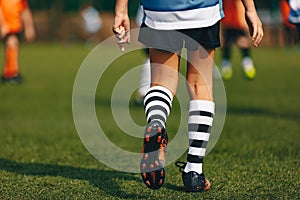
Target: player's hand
[255, 27]
[120, 28]
[29, 34]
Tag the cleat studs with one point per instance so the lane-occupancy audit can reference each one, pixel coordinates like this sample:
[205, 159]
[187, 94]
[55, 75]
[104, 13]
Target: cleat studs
[158, 139]
[159, 130]
[144, 175]
[143, 149]
[148, 183]
[147, 138]
[149, 129]
[146, 156]
[162, 174]
[164, 142]
[156, 163]
[143, 166]
[153, 176]
[161, 182]
[151, 166]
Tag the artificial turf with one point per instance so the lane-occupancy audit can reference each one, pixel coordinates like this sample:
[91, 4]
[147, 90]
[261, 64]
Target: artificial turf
[42, 156]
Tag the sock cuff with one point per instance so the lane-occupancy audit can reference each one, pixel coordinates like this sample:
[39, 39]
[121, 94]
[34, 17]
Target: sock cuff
[202, 105]
[162, 89]
[195, 167]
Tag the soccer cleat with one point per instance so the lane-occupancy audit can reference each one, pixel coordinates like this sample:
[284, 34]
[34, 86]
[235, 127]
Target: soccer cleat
[193, 181]
[15, 80]
[153, 156]
[248, 68]
[226, 70]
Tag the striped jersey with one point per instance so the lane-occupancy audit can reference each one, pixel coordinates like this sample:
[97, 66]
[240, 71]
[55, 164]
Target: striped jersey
[294, 16]
[181, 14]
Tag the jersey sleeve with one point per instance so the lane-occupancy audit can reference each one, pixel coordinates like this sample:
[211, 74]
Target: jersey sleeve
[24, 4]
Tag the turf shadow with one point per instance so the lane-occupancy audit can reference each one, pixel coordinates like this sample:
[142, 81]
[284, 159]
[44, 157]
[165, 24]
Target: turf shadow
[103, 179]
[173, 187]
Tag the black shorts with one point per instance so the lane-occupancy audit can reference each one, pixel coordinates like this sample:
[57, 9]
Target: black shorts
[232, 34]
[174, 40]
[18, 34]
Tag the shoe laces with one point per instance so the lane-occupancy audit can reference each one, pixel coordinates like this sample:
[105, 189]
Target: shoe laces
[181, 165]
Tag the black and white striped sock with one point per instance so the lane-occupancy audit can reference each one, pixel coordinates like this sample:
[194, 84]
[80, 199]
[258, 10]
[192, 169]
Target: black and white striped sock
[200, 121]
[158, 104]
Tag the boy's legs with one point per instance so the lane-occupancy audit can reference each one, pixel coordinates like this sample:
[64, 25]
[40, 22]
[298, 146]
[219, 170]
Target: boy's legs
[298, 35]
[157, 104]
[201, 111]
[164, 69]
[199, 74]
[247, 62]
[226, 67]
[11, 64]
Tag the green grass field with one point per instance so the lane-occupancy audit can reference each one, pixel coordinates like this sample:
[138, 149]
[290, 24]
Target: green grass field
[42, 157]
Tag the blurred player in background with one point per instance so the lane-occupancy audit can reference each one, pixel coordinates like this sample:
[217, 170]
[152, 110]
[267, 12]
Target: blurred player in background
[14, 16]
[145, 76]
[294, 16]
[92, 22]
[234, 30]
[289, 29]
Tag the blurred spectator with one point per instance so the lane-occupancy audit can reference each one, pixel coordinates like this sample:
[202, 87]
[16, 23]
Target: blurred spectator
[92, 22]
[14, 15]
[294, 16]
[234, 30]
[289, 29]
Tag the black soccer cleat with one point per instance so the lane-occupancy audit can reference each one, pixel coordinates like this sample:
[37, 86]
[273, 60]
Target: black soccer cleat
[193, 181]
[153, 156]
[15, 80]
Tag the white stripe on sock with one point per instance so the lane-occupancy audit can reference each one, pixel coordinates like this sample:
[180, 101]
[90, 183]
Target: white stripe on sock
[157, 103]
[197, 151]
[196, 167]
[202, 105]
[156, 112]
[199, 136]
[197, 119]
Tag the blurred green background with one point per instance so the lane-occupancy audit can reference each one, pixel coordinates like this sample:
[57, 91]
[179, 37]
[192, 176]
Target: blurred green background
[60, 20]
[104, 5]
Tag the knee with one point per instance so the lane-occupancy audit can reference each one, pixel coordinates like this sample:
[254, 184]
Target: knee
[12, 41]
[243, 42]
